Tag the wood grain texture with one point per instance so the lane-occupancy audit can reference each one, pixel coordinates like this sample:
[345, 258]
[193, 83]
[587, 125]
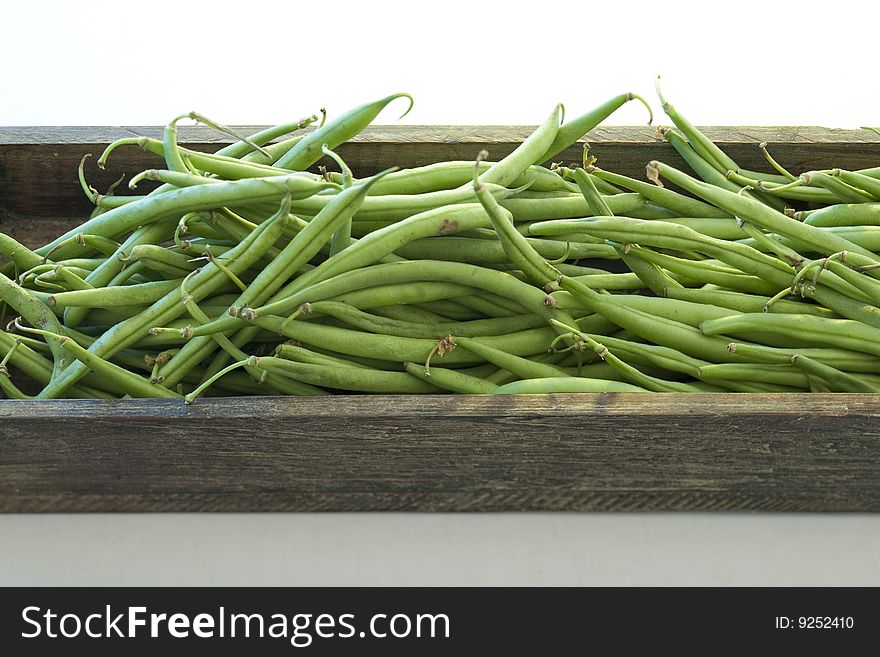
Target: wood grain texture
[38, 164]
[613, 452]
[346, 453]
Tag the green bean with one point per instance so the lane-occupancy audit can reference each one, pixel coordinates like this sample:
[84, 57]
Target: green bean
[307, 242]
[173, 158]
[502, 284]
[595, 203]
[215, 369]
[369, 250]
[94, 242]
[654, 278]
[8, 388]
[303, 355]
[383, 296]
[37, 314]
[674, 236]
[842, 191]
[685, 312]
[747, 303]
[297, 252]
[700, 271]
[451, 380]
[756, 212]
[867, 285]
[335, 132]
[738, 255]
[624, 281]
[385, 347]
[275, 152]
[527, 153]
[704, 146]
[796, 190]
[838, 381]
[226, 167]
[844, 214]
[689, 340]
[38, 368]
[539, 209]
[629, 372]
[395, 208]
[341, 238]
[568, 133]
[207, 383]
[565, 384]
[131, 383]
[707, 171]
[712, 174]
[490, 305]
[373, 279]
[74, 264]
[818, 385]
[842, 333]
[174, 178]
[603, 186]
[684, 205]
[142, 293]
[161, 260]
[450, 175]
[106, 273]
[521, 367]
[675, 361]
[652, 355]
[168, 307]
[859, 181]
[241, 148]
[867, 237]
[348, 378]
[770, 244]
[496, 282]
[21, 256]
[407, 313]
[305, 245]
[351, 280]
[180, 201]
[786, 375]
[71, 279]
[365, 361]
[101, 201]
[512, 242]
[694, 314]
[484, 252]
[377, 324]
[452, 311]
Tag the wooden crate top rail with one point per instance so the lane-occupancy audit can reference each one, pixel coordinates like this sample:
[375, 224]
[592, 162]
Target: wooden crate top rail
[38, 164]
[588, 452]
[612, 452]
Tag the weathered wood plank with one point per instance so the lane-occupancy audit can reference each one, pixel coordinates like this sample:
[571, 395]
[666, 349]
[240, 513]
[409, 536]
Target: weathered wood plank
[439, 134]
[555, 452]
[38, 164]
[564, 452]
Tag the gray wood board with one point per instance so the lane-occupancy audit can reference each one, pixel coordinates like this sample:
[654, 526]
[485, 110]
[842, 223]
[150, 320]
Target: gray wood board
[38, 164]
[559, 452]
[589, 452]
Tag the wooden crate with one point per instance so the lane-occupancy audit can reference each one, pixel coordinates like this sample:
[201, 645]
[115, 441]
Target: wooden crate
[428, 453]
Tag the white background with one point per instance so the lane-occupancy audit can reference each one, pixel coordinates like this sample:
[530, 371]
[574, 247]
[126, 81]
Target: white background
[465, 61]
[743, 63]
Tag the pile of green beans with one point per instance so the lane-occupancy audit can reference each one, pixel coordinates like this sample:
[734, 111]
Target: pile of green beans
[254, 271]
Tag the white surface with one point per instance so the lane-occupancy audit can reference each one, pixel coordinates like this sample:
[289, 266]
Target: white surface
[751, 62]
[560, 549]
[747, 63]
